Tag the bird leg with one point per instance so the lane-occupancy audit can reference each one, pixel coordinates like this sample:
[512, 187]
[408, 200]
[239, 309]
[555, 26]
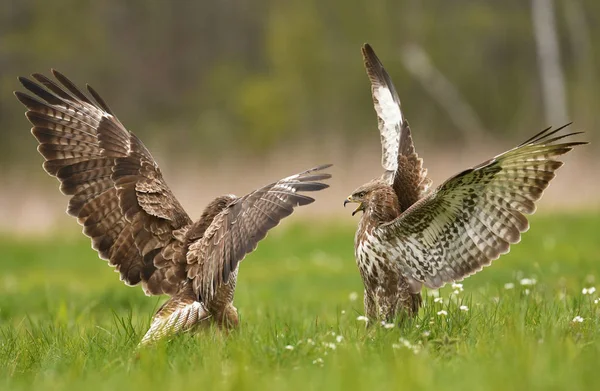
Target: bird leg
[227, 318]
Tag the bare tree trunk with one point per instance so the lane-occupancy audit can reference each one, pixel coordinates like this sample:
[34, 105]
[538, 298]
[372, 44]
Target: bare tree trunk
[551, 73]
[585, 96]
[464, 117]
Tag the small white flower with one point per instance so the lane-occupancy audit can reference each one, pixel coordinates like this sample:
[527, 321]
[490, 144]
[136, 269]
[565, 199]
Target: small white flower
[426, 333]
[577, 319]
[405, 342]
[464, 308]
[528, 281]
[289, 347]
[343, 312]
[339, 339]
[318, 360]
[388, 325]
[442, 312]
[438, 300]
[588, 291]
[596, 301]
[353, 296]
[396, 346]
[310, 342]
[362, 319]
[329, 345]
[509, 285]
[527, 291]
[333, 333]
[457, 287]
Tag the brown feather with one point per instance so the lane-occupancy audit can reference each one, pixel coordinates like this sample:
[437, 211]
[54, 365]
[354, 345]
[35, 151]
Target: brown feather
[133, 219]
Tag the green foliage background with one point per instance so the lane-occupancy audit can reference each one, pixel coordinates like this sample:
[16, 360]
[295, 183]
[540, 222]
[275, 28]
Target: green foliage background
[252, 75]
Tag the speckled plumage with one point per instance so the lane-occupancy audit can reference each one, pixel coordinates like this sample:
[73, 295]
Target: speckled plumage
[408, 237]
[135, 222]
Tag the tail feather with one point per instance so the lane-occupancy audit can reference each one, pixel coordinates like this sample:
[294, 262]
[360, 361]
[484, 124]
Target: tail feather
[179, 314]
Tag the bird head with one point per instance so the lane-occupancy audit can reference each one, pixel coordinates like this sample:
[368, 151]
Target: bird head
[367, 195]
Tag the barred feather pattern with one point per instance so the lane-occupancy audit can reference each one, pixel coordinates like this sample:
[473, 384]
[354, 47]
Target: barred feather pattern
[404, 169]
[237, 230]
[116, 188]
[473, 217]
[181, 313]
[135, 222]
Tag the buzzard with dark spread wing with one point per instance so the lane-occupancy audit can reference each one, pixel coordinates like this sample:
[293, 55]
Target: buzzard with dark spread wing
[135, 222]
[408, 236]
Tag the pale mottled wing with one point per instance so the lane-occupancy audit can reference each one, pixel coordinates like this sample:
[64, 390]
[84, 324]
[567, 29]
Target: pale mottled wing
[404, 168]
[473, 217]
[237, 230]
[116, 188]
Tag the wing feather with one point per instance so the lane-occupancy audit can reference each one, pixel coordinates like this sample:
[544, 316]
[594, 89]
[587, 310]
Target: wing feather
[117, 191]
[404, 168]
[473, 217]
[237, 230]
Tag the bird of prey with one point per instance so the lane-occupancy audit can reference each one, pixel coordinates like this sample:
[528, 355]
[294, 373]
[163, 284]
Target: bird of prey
[119, 196]
[409, 236]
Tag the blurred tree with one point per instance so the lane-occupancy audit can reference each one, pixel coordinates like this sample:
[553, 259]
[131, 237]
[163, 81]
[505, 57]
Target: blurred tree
[255, 74]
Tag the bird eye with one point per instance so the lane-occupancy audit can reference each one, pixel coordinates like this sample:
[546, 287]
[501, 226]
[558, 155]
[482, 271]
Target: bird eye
[360, 194]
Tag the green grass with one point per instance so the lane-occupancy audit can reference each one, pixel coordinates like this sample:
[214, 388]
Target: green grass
[66, 322]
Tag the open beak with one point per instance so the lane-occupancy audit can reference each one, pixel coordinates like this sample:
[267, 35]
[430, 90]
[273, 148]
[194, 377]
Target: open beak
[351, 200]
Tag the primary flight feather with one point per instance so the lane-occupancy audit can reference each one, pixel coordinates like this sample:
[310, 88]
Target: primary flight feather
[409, 236]
[135, 222]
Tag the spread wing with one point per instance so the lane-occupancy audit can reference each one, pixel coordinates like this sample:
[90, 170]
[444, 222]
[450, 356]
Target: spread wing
[116, 188]
[237, 230]
[404, 168]
[473, 217]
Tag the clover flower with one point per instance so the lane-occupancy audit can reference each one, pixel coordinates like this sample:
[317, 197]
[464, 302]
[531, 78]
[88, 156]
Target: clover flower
[588, 291]
[528, 281]
[577, 319]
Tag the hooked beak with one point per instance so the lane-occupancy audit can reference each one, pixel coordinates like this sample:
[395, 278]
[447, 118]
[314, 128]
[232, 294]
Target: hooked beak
[350, 199]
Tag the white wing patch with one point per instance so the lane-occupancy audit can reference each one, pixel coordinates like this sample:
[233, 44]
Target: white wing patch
[388, 109]
[390, 125]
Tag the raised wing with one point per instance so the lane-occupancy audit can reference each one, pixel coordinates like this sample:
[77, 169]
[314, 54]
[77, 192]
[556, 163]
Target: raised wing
[237, 230]
[473, 217]
[116, 188]
[404, 168]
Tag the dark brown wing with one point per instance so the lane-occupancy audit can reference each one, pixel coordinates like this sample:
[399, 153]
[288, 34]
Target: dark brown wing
[116, 188]
[237, 230]
[404, 168]
[473, 217]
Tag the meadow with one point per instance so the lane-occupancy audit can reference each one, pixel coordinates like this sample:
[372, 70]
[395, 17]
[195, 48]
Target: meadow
[530, 321]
